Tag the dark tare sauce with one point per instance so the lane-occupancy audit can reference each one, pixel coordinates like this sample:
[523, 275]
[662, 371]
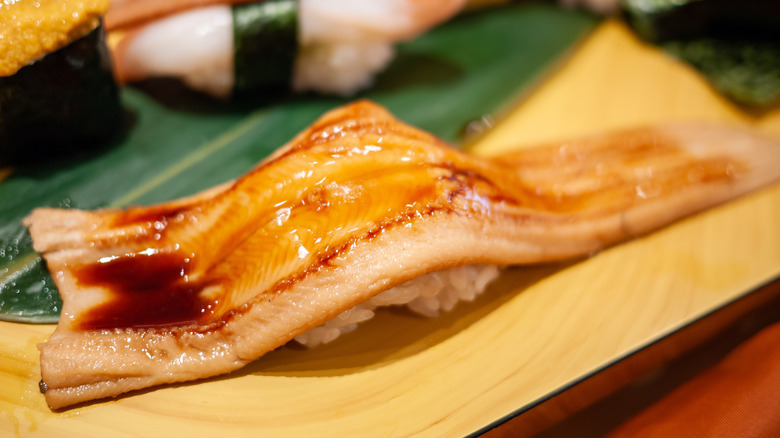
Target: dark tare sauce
[146, 289]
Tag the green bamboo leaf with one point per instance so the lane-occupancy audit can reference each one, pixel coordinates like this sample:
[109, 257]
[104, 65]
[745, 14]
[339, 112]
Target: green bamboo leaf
[474, 66]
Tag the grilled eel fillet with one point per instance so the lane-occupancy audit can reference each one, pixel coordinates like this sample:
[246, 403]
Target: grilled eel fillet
[355, 204]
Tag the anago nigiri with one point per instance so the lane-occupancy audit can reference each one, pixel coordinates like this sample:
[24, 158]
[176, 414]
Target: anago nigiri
[356, 205]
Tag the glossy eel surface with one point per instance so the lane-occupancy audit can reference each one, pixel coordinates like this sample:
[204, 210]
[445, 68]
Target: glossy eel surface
[355, 204]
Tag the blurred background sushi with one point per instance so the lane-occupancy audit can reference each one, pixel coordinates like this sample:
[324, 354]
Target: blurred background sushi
[225, 47]
[57, 92]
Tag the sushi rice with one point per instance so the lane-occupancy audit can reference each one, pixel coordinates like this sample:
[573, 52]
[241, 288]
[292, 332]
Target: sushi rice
[195, 46]
[345, 43]
[426, 295]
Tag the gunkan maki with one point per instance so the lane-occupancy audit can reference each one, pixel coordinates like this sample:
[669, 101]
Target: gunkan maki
[57, 92]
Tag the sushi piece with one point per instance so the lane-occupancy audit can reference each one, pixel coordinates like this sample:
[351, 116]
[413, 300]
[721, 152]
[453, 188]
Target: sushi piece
[734, 45]
[225, 48]
[665, 20]
[357, 210]
[57, 92]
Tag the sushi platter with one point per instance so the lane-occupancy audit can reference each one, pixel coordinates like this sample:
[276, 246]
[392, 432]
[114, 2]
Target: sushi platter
[490, 81]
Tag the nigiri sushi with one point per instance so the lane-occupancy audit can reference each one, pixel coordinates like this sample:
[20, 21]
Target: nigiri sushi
[226, 47]
[57, 92]
[357, 211]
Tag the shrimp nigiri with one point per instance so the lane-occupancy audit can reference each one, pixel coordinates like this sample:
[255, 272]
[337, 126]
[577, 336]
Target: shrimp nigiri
[222, 47]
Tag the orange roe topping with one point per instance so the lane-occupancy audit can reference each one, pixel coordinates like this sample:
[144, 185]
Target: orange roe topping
[30, 29]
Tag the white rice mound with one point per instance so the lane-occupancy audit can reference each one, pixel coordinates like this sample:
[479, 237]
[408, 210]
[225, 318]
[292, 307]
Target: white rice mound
[340, 69]
[425, 295]
[343, 44]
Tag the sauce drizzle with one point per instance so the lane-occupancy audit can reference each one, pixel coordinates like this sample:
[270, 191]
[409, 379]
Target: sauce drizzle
[150, 288]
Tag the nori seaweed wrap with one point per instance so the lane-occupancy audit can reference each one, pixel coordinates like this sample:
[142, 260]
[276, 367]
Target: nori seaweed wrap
[735, 45]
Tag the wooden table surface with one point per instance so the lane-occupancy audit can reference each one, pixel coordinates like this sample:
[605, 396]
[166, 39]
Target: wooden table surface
[532, 335]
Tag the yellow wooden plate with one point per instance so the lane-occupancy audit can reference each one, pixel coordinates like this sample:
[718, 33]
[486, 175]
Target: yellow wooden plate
[537, 330]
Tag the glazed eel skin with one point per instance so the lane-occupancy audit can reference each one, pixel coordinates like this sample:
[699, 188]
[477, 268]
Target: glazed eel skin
[355, 204]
